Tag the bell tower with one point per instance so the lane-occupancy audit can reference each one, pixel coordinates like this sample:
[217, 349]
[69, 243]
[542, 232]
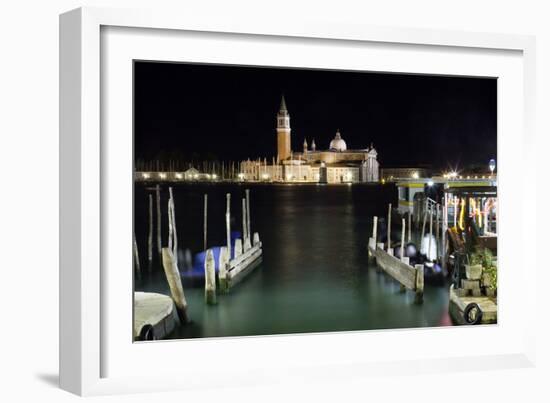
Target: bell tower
[283, 132]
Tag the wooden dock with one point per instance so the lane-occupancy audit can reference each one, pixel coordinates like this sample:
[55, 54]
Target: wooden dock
[458, 305]
[409, 277]
[155, 316]
[243, 263]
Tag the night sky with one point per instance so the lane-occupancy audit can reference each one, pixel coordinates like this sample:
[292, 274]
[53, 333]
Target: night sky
[229, 113]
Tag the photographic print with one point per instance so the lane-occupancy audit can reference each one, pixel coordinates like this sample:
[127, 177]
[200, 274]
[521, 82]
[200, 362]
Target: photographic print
[272, 200]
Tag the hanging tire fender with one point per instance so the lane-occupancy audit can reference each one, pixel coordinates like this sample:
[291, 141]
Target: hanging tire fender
[147, 333]
[475, 320]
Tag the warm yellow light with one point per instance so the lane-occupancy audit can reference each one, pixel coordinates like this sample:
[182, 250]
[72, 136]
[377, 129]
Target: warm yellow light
[461, 217]
[265, 176]
[179, 176]
[162, 176]
[214, 176]
[415, 175]
[146, 175]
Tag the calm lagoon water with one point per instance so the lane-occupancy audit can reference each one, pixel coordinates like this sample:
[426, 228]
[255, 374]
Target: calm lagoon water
[314, 277]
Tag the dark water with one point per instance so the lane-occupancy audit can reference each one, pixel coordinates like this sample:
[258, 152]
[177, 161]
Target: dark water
[314, 277]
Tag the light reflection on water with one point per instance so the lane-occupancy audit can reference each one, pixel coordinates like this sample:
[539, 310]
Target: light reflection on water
[314, 276]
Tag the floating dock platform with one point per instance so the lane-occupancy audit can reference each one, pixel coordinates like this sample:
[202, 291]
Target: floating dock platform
[470, 310]
[155, 316]
[409, 277]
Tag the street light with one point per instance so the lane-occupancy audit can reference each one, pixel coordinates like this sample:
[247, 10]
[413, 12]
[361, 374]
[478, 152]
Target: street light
[430, 183]
[492, 165]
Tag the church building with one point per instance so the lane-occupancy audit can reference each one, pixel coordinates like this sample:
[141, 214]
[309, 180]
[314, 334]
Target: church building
[336, 164]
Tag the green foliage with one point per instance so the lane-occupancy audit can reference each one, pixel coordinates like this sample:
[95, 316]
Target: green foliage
[492, 273]
[484, 257]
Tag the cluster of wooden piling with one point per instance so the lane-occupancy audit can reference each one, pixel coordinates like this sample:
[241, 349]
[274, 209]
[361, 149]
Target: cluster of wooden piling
[247, 252]
[152, 312]
[409, 277]
[150, 228]
[435, 216]
[234, 263]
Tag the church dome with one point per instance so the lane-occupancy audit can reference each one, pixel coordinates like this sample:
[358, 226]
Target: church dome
[338, 144]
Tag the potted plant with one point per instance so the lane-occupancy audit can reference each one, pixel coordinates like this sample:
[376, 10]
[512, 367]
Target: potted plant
[491, 274]
[481, 259]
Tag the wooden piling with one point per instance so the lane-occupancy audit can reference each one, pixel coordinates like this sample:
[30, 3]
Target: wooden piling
[222, 269]
[374, 228]
[238, 248]
[245, 227]
[174, 226]
[170, 226]
[159, 220]
[205, 221]
[150, 236]
[174, 282]
[136, 256]
[228, 222]
[389, 226]
[437, 233]
[402, 239]
[423, 227]
[430, 238]
[419, 290]
[409, 228]
[247, 192]
[210, 278]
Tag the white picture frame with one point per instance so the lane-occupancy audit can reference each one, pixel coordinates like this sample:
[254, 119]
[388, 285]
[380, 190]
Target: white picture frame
[89, 336]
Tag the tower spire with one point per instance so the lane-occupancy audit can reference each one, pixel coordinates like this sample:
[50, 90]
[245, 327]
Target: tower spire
[283, 108]
[283, 132]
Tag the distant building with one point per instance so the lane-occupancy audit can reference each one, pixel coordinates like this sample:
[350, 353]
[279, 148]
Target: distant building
[336, 164]
[396, 174]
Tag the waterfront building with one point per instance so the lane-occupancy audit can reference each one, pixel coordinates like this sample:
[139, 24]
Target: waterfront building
[397, 174]
[336, 164]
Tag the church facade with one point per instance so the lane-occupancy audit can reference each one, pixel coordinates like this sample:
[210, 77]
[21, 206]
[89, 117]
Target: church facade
[336, 164]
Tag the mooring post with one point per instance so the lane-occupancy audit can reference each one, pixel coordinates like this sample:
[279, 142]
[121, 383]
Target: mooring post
[409, 228]
[423, 228]
[430, 238]
[228, 223]
[247, 192]
[402, 255]
[389, 226]
[174, 227]
[170, 226]
[238, 247]
[222, 268]
[419, 283]
[205, 221]
[136, 256]
[150, 236]
[159, 220]
[210, 278]
[437, 223]
[174, 282]
[374, 229]
[245, 235]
